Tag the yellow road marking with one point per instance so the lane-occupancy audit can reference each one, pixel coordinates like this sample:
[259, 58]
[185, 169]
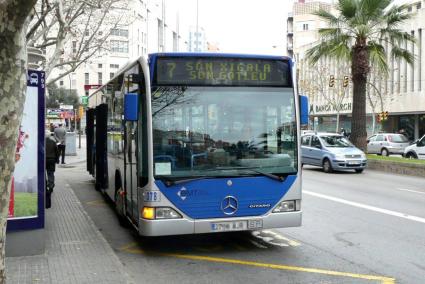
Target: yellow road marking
[382, 279]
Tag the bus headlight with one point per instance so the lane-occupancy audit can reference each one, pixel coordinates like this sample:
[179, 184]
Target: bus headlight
[152, 213]
[148, 213]
[166, 213]
[285, 206]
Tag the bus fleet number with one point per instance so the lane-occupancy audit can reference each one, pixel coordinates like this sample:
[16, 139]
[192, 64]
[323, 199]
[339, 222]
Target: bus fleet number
[152, 196]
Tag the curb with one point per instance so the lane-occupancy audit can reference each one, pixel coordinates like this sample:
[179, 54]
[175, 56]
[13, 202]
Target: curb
[397, 167]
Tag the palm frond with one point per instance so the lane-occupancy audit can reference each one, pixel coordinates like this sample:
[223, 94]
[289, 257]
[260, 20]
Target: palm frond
[348, 8]
[373, 8]
[398, 52]
[397, 36]
[377, 56]
[336, 47]
[396, 15]
[328, 17]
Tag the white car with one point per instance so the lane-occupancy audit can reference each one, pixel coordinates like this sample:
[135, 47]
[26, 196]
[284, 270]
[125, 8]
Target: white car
[416, 150]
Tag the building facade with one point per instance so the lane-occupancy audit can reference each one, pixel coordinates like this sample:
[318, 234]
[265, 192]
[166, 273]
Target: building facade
[153, 27]
[401, 93]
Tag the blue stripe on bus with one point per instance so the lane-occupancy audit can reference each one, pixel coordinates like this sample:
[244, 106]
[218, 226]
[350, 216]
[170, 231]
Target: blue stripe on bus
[202, 199]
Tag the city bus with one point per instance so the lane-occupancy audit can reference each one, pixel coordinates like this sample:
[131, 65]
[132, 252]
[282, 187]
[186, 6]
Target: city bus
[187, 143]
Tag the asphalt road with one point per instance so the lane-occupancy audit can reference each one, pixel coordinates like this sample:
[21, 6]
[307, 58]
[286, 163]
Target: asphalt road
[357, 228]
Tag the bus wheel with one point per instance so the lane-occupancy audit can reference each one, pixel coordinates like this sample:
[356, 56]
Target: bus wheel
[119, 207]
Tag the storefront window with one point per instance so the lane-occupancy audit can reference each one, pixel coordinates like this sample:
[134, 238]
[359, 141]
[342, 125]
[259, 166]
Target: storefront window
[421, 125]
[407, 124]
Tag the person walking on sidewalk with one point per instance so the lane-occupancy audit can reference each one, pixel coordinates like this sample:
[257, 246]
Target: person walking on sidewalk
[60, 136]
[52, 155]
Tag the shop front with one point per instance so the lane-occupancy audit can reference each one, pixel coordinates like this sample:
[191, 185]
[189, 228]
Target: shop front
[406, 115]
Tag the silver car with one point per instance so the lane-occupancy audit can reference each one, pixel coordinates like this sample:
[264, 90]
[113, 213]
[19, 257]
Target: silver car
[332, 152]
[387, 143]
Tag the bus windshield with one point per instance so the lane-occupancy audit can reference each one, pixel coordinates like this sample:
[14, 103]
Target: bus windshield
[223, 131]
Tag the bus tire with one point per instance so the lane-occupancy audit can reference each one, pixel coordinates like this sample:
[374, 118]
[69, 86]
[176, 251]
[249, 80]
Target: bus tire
[119, 202]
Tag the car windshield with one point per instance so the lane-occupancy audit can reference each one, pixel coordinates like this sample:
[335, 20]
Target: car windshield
[223, 131]
[397, 138]
[335, 141]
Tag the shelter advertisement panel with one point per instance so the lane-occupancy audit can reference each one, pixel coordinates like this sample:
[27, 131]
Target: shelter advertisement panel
[26, 207]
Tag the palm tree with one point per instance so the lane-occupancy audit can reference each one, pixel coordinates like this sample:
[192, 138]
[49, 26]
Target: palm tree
[361, 32]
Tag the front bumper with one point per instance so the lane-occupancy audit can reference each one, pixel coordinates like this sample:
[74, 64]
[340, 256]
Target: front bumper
[349, 164]
[201, 226]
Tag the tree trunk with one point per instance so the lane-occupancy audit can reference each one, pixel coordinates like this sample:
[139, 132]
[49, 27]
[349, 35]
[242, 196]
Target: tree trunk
[359, 71]
[337, 122]
[13, 57]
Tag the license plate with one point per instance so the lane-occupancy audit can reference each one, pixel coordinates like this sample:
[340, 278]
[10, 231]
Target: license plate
[229, 226]
[353, 163]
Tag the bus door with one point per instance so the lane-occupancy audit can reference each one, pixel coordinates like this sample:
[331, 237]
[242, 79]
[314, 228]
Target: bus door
[130, 161]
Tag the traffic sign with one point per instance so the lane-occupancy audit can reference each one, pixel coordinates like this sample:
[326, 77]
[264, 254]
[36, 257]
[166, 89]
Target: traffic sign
[84, 100]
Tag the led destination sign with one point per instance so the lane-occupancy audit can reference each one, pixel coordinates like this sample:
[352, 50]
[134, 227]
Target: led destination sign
[222, 71]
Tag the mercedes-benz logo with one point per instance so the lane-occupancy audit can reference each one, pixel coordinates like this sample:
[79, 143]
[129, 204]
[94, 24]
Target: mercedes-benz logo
[229, 205]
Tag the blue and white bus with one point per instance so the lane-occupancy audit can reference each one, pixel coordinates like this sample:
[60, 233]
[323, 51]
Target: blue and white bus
[187, 143]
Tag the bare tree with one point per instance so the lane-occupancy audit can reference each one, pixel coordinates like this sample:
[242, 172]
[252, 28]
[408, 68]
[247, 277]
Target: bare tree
[323, 81]
[74, 31]
[13, 63]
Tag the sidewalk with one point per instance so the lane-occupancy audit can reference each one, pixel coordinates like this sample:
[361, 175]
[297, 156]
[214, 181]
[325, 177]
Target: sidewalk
[76, 252]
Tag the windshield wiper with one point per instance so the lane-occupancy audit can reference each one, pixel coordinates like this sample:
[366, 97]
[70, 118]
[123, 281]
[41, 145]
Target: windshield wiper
[169, 182]
[254, 169]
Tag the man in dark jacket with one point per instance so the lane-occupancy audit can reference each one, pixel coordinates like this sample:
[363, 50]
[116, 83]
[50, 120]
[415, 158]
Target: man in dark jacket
[60, 136]
[52, 155]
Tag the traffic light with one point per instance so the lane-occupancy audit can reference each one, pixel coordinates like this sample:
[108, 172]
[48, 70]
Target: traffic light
[385, 115]
[331, 81]
[345, 82]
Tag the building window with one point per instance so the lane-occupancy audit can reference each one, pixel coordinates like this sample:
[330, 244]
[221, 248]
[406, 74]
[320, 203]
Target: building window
[99, 65]
[61, 83]
[305, 27]
[87, 32]
[114, 66]
[99, 78]
[111, 75]
[419, 6]
[409, 9]
[119, 32]
[119, 46]
[74, 47]
[86, 78]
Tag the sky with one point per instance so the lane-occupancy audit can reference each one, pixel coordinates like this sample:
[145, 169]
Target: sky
[242, 26]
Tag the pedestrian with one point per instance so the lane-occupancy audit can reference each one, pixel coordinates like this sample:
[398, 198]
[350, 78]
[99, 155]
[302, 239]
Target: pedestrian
[60, 136]
[52, 154]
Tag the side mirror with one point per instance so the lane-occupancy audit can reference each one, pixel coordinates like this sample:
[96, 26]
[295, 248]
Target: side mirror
[303, 101]
[131, 107]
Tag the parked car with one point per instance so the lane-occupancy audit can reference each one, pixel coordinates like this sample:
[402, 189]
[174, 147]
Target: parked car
[387, 143]
[332, 152]
[416, 150]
